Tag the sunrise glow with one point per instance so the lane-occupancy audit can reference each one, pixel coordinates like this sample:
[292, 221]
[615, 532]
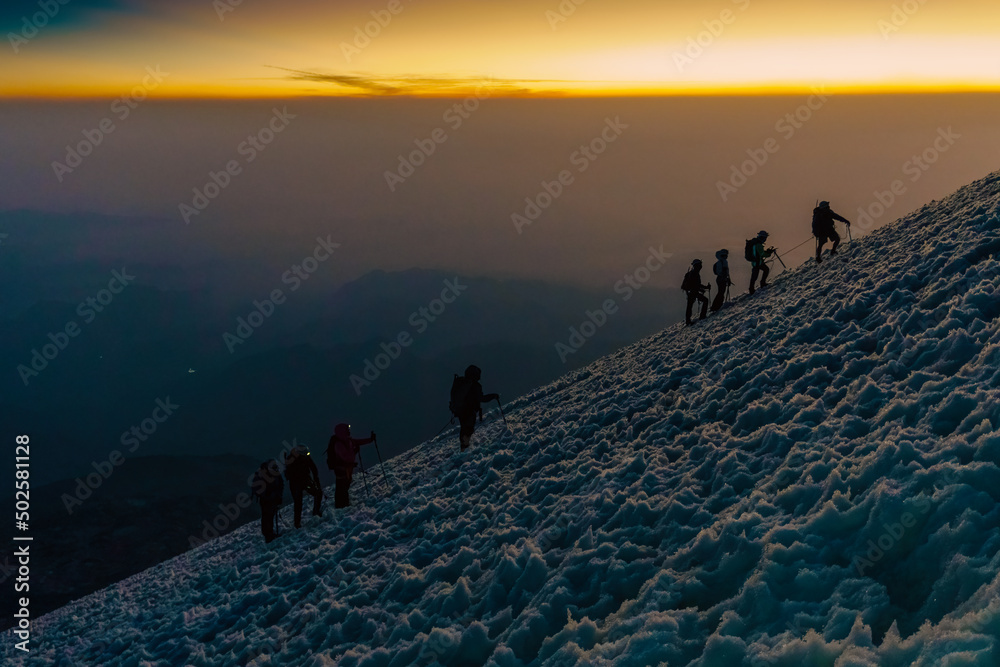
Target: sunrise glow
[521, 48]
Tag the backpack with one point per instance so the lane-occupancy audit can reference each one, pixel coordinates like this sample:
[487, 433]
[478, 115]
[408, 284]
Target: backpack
[339, 454]
[691, 283]
[267, 484]
[748, 253]
[820, 225]
[461, 393]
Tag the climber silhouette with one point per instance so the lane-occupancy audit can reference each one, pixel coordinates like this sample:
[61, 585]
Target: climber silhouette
[757, 254]
[695, 291]
[342, 458]
[466, 402]
[722, 280]
[303, 477]
[823, 228]
[268, 490]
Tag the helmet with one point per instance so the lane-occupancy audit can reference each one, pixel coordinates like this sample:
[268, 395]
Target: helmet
[824, 204]
[342, 430]
[473, 372]
[762, 234]
[722, 254]
[696, 262]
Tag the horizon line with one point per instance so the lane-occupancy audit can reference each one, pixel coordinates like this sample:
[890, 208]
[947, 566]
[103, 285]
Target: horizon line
[634, 93]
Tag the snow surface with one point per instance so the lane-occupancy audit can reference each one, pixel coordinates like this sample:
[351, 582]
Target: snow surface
[809, 478]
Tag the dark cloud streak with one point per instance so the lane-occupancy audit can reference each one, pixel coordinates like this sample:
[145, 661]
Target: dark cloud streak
[415, 85]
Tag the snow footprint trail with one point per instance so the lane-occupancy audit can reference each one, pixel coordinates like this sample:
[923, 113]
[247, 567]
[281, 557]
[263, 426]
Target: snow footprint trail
[813, 479]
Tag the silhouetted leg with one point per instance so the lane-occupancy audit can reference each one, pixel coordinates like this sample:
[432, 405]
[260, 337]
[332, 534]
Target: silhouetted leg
[690, 307]
[297, 504]
[836, 241]
[267, 516]
[704, 305]
[766, 271]
[720, 298]
[317, 502]
[341, 495]
[468, 424]
[753, 278]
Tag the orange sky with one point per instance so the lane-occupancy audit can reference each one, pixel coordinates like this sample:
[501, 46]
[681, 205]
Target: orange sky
[433, 47]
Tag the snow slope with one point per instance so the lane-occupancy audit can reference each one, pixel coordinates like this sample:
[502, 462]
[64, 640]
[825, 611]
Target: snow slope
[809, 478]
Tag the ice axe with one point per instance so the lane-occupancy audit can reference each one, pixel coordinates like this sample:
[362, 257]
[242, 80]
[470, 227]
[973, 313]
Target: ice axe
[381, 463]
[775, 251]
[364, 475]
[500, 405]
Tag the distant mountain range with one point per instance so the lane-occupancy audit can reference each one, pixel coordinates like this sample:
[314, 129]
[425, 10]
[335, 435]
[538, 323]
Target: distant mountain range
[244, 389]
[140, 380]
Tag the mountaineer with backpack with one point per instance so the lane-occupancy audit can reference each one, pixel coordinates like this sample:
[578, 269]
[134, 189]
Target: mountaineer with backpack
[695, 291]
[823, 228]
[722, 279]
[466, 402]
[268, 490]
[303, 477]
[341, 458]
[757, 255]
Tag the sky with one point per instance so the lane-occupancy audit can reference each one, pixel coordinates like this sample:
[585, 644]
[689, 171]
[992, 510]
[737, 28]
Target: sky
[324, 174]
[248, 48]
[173, 92]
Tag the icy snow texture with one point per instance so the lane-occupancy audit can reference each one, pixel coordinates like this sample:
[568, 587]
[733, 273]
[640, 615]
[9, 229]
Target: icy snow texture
[809, 478]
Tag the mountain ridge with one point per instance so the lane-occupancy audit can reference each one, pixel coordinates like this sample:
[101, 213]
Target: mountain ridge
[809, 477]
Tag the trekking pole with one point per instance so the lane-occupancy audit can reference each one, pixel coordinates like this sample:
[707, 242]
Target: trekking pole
[277, 523]
[381, 464]
[364, 475]
[500, 405]
[850, 239]
[779, 259]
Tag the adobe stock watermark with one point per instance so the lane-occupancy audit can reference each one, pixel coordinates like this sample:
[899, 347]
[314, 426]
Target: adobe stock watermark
[454, 117]
[914, 168]
[556, 533]
[581, 159]
[33, 24]
[249, 149]
[714, 29]
[294, 278]
[223, 7]
[365, 34]
[892, 534]
[562, 13]
[420, 321]
[121, 108]
[900, 16]
[130, 439]
[787, 126]
[87, 310]
[631, 283]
